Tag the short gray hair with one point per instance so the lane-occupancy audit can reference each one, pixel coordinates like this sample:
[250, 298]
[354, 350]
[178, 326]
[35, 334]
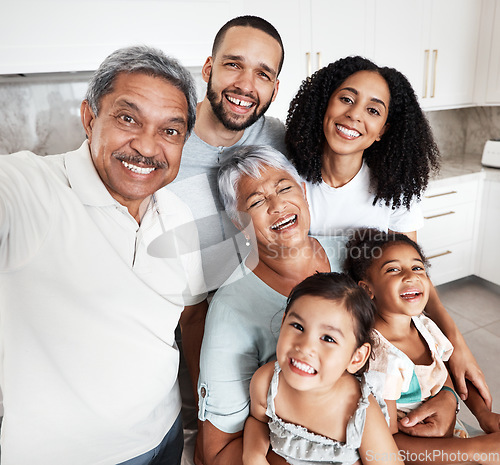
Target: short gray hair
[248, 160]
[145, 60]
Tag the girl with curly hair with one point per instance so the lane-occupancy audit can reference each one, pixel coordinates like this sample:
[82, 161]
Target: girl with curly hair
[358, 137]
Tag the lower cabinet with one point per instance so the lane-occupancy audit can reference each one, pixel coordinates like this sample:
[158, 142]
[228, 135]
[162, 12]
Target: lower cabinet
[449, 236]
[488, 260]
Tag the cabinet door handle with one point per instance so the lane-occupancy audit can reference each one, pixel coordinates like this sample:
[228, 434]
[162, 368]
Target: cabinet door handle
[438, 215]
[439, 195]
[426, 73]
[439, 255]
[308, 64]
[318, 58]
[435, 54]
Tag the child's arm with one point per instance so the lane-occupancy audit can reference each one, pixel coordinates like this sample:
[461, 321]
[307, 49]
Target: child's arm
[488, 420]
[256, 432]
[462, 363]
[377, 444]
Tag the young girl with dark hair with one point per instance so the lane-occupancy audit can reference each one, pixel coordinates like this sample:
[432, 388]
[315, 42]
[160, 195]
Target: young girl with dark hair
[410, 350]
[309, 405]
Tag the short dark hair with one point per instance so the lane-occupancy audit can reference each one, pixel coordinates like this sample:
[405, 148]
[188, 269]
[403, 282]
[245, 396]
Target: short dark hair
[146, 60]
[249, 21]
[340, 288]
[366, 245]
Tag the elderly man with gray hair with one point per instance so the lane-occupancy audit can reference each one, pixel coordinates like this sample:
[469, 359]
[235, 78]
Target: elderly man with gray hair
[95, 277]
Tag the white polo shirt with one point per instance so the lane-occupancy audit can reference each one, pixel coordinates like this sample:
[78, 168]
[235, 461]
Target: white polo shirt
[88, 360]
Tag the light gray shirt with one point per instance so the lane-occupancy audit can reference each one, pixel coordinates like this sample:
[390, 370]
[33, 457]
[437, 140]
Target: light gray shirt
[222, 245]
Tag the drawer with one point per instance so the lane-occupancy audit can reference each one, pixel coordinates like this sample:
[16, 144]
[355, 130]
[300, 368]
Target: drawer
[448, 225]
[443, 196]
[450, 263]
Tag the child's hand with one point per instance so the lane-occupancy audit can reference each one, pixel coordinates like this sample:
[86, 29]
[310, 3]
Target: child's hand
[489, 422]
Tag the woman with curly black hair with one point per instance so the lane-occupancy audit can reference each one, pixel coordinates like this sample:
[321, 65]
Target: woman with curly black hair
[358, 137]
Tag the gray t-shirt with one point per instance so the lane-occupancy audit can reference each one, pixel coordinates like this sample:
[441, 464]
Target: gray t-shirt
[222, 245]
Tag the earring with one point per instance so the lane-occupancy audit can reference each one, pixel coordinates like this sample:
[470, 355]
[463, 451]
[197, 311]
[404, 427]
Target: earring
[247, 243]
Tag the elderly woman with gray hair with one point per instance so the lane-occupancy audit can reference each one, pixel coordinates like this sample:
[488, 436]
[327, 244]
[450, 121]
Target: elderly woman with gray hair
[264, 197]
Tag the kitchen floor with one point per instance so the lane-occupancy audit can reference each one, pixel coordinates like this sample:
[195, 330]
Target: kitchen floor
[474, 304]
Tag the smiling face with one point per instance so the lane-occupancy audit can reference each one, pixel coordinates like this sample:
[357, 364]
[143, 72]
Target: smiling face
[317, 344]
[136, 140]
[242, 77]
[398, 282]
[276, 205]
[356, 114]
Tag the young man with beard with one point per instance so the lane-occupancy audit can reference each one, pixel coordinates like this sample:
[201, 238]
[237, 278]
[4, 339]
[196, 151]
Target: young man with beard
[242, 81]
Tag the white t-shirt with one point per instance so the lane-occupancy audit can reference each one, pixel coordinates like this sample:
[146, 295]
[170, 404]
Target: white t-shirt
[337, 210]
[88, 360]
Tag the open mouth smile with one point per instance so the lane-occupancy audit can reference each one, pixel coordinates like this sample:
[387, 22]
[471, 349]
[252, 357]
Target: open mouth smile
[349, 133]
[411, 295]
[302, 368]
[284, 223]
[240, 103]
[137, 169]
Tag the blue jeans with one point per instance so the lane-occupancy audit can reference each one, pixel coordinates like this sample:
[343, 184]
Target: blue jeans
[168, 452]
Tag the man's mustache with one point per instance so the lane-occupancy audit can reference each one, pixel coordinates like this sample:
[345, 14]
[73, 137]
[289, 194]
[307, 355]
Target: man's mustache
[140, 159]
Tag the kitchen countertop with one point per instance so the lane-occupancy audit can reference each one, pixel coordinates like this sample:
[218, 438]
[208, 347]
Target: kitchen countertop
[463, 165]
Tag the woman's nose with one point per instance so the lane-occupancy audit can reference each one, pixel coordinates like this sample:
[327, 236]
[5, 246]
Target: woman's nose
[276, 204]
[354, 112]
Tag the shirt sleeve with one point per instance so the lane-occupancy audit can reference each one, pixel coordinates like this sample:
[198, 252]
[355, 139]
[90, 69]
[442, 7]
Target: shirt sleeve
[26, 201]
[403, 220]
[437, 341]
[228, 360]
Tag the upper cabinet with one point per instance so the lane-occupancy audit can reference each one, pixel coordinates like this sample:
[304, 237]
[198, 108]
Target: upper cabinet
[488, 69]
[69, 35]
[434, 43]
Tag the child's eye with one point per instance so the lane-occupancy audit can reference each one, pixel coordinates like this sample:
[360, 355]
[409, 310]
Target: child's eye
[392, 270]
[327, 338]
[297, 326]
[418, 268]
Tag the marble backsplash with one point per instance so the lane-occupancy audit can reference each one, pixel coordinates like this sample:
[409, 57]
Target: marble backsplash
[42, 114]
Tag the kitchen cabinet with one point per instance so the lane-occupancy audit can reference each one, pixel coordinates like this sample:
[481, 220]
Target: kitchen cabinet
[60, 35]
[434, 43]
[451, 214]
[489, 248]
[488, 68]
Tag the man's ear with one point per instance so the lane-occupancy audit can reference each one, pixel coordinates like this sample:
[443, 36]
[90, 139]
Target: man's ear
[275, 91]
[367, 288]
[207, 69]
[87, 116]
[383, 131]
[359, 358]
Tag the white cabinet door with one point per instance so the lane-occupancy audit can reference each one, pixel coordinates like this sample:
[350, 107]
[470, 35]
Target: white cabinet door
[493, 84]
[434, 43]
[489, 253]
[453, 41]
[339, 29]
[398, 39]
[69, 35]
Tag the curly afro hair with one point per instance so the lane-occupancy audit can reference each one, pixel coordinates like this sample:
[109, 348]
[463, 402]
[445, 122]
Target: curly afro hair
[400, 163]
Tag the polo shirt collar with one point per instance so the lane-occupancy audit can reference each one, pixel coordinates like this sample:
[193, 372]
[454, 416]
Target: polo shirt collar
[84, 179]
